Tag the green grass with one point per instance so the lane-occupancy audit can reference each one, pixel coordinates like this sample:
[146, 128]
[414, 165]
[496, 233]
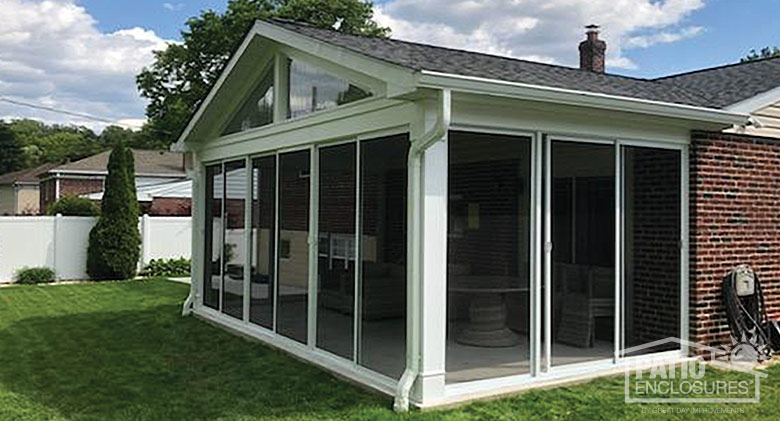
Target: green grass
[121, 351]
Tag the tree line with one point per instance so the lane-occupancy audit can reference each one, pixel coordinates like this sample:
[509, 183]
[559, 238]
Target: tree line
[27, 143]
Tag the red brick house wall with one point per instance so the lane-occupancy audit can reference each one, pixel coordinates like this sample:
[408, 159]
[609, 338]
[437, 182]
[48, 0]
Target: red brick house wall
[734, 219]
[170, 206]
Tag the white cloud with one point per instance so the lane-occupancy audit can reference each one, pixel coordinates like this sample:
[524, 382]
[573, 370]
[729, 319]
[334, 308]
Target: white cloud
[174, 7]
[541, 30]
[52, 54]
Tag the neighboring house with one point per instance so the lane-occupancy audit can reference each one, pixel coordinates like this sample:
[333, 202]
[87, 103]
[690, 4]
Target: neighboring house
[87, 176]
[20, 191]
[163, 199]
[443, 225]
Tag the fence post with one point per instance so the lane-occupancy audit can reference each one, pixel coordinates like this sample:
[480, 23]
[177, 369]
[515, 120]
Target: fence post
[56, 245]
[146, 238]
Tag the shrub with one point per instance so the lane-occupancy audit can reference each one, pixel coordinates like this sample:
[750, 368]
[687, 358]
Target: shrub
[171, 268]
[74, 206]
[114, 242]
[32, 276]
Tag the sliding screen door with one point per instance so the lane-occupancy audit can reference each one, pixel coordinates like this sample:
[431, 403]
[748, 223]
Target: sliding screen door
[336, 258]
[382, 327]
[488, 268]
[261, 289]
[234, 251]
[293, 250]
[212, 263]
[651, 246]
[582, 217]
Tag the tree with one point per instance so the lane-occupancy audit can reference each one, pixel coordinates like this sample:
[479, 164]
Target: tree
[182, 74]
[114, 242]
[766, 52]
[73, 206]
[11, 151]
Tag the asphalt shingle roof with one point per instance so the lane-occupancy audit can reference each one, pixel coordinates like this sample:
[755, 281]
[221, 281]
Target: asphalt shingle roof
[445, 60]
[730, 84]
[28, 175]
[146, 162]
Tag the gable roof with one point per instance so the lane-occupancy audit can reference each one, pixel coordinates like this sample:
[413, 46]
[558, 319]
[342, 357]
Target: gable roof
[732, 83]
[147, 162]
[28, 175]
[419, 57]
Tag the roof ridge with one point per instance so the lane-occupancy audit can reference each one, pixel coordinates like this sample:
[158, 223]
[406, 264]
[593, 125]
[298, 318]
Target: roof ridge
[722, 66]
[557, 66]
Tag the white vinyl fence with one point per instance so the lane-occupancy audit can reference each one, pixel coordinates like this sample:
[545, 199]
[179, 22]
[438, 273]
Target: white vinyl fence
[60, 242]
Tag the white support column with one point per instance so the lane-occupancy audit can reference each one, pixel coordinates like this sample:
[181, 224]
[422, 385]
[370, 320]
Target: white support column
[434, 271]
[684, 248]
[248, 199]
[198, 232]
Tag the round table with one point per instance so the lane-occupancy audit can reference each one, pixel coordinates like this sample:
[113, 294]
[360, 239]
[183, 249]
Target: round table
[487, 309]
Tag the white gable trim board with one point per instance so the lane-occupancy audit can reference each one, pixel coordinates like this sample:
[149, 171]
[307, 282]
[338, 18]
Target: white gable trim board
[468, 142]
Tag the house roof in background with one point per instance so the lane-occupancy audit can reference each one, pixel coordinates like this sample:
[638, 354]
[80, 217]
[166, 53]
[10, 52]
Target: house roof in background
[467, 63]
[28, 176]
[146, 193]
[730, 84]
[147, 162]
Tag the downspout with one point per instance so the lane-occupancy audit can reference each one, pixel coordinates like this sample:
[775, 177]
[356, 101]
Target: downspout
[413, 244]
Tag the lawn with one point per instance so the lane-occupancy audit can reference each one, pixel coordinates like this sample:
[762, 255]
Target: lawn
[121, 351]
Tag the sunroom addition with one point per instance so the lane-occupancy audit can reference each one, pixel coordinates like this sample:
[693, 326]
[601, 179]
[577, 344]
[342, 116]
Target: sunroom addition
[433, 236]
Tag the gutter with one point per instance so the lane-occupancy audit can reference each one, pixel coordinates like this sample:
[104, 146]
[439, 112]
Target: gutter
[414, 240]
[478, 85]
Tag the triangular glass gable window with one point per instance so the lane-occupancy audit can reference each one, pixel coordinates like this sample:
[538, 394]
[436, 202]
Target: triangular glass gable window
[312, 89]
[257, 110]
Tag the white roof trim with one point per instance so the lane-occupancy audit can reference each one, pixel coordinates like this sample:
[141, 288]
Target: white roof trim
[473, 84]
[756, 102]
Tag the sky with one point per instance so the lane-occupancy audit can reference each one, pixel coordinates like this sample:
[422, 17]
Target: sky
[82, 55]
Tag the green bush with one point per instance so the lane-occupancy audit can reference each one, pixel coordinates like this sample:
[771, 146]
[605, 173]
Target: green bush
[32, 276]
[114, 242]
[169, 268]
[74, 206]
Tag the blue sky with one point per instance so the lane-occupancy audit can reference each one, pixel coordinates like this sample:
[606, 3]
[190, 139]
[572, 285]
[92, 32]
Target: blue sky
[83, 55]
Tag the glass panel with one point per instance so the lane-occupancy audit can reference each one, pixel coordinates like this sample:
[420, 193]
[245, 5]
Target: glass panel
[212, 273]
[488, 270]
[261, 304]
[383, 255]
[583, 256]
[312, 89]
[235, 246]
[292, 311]
[257, 110]
[336, 260]
[651, 254]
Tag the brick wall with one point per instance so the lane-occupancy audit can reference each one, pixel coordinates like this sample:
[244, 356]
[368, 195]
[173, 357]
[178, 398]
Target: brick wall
[170, 206]
[735, 218]
[79, 186]
[48, 189]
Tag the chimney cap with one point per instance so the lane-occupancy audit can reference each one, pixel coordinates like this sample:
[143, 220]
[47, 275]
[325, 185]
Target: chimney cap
[592, 27]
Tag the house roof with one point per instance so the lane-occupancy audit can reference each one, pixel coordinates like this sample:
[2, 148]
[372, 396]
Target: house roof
[730, 84]
[147, 162]
[418, 57]
[28, 175]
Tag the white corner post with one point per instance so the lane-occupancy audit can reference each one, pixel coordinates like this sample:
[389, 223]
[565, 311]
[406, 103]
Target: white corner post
[423, 380]
[198, 231]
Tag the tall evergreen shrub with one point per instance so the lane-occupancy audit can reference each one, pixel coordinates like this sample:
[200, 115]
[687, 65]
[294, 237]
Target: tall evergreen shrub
[114, 242]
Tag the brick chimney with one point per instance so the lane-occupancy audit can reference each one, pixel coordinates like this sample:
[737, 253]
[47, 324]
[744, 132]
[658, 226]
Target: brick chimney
[592, 51]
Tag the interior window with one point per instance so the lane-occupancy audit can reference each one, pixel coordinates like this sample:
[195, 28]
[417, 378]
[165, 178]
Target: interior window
[312, 89]
[258, 109]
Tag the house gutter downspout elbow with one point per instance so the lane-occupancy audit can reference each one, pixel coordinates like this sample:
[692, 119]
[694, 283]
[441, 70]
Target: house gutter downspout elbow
[414, 238]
